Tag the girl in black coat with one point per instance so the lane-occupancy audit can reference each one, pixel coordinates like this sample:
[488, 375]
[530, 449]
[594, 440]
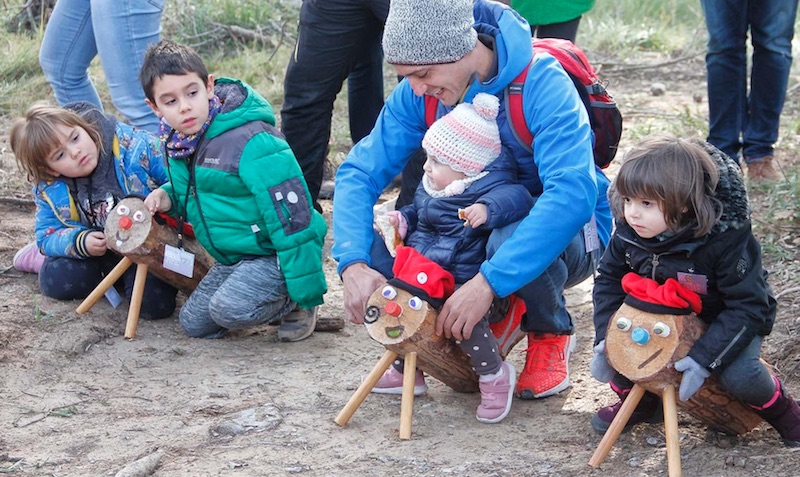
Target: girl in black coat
[682, 213]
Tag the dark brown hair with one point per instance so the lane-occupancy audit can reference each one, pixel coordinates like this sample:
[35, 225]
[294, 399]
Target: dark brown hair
[169, 58]
[33, 138]
[677, 174]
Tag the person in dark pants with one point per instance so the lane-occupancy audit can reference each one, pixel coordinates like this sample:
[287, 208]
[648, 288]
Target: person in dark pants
[336, 40]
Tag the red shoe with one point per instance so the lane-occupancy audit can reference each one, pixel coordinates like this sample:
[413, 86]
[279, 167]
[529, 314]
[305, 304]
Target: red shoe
[507, 329]
[546, 367]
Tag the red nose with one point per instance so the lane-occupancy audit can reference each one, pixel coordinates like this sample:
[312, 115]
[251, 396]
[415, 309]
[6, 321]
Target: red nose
[393, 309]
[125, 223]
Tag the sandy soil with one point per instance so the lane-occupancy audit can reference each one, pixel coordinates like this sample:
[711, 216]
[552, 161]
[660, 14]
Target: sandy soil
[80, 400]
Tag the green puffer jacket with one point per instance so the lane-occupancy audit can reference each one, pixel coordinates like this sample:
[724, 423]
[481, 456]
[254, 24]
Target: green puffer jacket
[541, 12]
[244, 193]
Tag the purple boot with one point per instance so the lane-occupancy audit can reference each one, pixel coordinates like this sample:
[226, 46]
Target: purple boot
[783, 413]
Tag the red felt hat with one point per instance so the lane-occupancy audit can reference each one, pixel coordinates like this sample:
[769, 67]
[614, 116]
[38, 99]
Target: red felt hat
[670, 298]
[421, 276]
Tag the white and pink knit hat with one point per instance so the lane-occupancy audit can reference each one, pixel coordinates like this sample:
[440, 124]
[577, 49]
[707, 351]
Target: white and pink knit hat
[466, 139]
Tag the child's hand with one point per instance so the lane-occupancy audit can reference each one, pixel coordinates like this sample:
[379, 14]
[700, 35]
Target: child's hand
[158, 201]
[601, 370]
[96, 243]
[693, 377]
[475, 215]
[398, 221]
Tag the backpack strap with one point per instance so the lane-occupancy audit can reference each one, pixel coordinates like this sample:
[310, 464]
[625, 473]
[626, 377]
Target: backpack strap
[515, 113]
[431, 105]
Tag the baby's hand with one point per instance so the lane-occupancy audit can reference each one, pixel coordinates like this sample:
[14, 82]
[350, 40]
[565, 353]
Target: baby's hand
[96, 243]
[158, 201]
[475, 215]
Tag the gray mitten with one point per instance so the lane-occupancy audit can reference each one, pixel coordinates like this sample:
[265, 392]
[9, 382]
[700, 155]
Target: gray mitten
[601, 370]
[693, 377]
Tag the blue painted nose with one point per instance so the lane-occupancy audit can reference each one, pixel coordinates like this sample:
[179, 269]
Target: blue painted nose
[640, 336]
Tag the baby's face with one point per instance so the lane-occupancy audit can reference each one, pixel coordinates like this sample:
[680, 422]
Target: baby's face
[182, 101]
[645, 216]
[440, 175]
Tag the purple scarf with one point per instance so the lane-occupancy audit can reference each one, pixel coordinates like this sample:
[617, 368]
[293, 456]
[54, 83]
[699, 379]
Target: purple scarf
[180, 145]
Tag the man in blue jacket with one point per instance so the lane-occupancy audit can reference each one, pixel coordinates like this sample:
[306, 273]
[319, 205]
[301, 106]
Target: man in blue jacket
[452, 50]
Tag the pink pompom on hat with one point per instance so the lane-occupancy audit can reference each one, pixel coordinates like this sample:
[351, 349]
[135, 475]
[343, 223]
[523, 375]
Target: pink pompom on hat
[467, 139]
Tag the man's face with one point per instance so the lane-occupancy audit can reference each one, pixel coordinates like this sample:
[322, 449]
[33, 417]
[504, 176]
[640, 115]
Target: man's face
[446, 82]
[182, 100]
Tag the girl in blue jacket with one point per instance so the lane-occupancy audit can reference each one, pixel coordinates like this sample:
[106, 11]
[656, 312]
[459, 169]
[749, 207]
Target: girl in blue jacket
[82, 163]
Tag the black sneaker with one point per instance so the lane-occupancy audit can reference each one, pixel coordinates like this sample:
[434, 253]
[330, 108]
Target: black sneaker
[298, 325]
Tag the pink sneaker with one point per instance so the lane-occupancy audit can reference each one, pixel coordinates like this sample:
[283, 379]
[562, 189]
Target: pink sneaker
[28, 259]
[392, 383]
[496, 396]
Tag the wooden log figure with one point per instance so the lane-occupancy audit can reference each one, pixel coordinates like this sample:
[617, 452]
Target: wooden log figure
[402, 317]
[644, 345]
[132, 232]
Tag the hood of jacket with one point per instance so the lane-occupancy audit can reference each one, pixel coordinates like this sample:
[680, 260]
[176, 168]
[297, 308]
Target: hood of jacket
[731, 191]
[512, 44]
[241, 104]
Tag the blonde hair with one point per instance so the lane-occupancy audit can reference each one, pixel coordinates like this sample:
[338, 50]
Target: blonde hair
[33, 138]
[679, 174]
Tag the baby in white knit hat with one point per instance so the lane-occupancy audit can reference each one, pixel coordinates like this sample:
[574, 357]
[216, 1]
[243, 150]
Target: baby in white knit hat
[454, 211]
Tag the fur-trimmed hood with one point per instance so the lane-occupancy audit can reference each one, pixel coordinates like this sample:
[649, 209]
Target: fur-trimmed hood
[731, 191]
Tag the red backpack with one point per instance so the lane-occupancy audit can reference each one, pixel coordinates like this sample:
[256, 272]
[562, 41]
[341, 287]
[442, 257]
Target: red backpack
[604, 116]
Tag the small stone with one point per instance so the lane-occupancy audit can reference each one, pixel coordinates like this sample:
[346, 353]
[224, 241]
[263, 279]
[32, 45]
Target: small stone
[698, 97]
[658, 89]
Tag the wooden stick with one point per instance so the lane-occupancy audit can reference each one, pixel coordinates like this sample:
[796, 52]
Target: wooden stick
[104, 285]
[617, 425]
[136, 301]
[407, 402]
[671, 431]
[363, 391]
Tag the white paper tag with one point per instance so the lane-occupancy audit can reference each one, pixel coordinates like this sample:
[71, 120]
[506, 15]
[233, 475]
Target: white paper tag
[590, 239]
[179, 261]
[113, 297]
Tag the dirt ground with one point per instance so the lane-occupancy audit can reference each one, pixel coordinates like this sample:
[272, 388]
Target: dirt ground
[80, 400]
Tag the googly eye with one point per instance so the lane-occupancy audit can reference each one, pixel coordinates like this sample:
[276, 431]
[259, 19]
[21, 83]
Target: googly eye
[123, 210]
[372, 314]
[138, 216]
[415, 303]
[624, 324]
[388, 292]
[661, 329]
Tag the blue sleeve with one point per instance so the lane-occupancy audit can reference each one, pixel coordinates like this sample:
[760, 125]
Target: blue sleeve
[58, 231]
[369, 167]
[507, 204]
[563, 155]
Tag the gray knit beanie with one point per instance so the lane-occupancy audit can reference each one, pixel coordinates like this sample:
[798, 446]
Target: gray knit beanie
[428, 32]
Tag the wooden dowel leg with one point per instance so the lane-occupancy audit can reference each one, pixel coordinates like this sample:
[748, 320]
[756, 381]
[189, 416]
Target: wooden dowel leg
[671, 431]
[104, 285]
[617, 425]
[136, 301]
[407, 402]
[363, 390]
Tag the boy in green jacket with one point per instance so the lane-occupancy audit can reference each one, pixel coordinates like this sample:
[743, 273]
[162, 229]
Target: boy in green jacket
[234, 177]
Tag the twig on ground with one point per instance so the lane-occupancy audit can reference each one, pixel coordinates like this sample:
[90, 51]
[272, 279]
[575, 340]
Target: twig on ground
[621, 68]
[786, 292]
[17, 201]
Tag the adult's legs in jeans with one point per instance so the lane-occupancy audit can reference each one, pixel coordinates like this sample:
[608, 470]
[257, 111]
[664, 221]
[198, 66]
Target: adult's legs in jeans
[772, 30]
[726, 68]
[123, 30]
[544, 296]
[328, 44]
[68, 48]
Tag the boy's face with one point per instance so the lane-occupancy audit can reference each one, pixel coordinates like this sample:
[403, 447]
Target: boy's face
[446, 82]
[645, 217]
[182, 100]
[440, 175]
[76, 154]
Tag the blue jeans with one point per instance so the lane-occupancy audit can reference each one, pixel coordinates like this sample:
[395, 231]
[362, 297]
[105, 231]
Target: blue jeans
[119, 31]
[544, 296]
[337, 40]
[739, 122]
